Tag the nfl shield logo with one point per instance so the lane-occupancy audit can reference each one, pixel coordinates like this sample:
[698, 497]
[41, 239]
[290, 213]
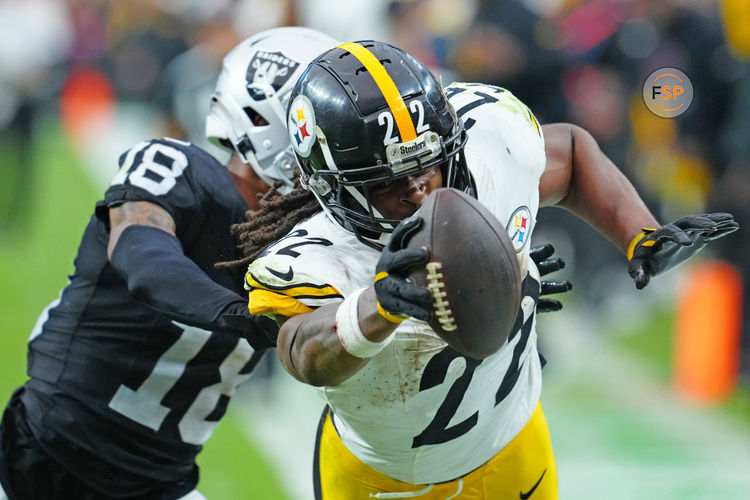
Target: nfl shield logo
[268, 70]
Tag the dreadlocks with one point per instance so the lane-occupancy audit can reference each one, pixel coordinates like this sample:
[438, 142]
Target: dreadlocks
[277, 215]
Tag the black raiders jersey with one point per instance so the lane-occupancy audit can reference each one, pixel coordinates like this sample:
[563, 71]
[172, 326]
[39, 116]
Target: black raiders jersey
[121, 393]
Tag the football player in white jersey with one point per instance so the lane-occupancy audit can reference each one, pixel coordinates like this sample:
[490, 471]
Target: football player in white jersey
[408, 416]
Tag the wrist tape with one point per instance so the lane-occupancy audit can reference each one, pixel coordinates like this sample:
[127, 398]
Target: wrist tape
[350, 335]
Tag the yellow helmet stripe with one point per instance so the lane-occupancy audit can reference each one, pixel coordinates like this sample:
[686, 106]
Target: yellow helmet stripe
[385, 83]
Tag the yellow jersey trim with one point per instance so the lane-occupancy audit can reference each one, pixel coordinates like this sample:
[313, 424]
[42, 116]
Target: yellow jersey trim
[305, 290]
[265, 302]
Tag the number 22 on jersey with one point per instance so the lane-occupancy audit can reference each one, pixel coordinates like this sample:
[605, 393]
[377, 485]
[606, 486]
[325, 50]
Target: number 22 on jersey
[439, 429]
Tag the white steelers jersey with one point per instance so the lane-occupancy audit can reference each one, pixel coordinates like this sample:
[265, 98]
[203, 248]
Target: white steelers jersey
[419, 411]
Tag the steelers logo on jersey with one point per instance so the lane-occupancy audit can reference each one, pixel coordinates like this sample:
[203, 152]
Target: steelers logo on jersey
[301, 124]
[519, 227]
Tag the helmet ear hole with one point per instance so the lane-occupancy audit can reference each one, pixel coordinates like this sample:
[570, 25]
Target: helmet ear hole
[256, 118]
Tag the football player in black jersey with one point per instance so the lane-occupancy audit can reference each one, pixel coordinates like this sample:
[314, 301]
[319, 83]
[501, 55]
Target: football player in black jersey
[133, 365]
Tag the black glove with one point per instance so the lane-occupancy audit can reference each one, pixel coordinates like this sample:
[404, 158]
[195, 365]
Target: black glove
[545, 263]
[260, 331]
[398, 296]
[655, 251]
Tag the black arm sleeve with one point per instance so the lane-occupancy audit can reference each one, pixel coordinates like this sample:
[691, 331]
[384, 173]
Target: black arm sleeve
[158, 273]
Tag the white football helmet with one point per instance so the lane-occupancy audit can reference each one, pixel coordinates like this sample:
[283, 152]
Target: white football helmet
[248, 106]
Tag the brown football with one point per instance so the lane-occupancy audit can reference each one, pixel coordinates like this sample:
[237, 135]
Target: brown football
[473, 273]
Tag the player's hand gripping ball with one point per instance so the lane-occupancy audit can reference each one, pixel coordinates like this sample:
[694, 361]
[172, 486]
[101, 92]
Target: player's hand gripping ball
[473, 273]
[398, 296]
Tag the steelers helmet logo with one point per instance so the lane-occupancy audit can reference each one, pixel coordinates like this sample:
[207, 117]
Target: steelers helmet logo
[519, 228]
[301, 122]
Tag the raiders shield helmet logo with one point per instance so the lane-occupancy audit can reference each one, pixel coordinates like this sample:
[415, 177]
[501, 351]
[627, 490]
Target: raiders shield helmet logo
[268, 69]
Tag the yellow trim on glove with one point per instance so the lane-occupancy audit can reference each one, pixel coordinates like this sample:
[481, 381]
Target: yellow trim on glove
[633, 243]
[381, 275]
[393, 318]
[638, 237]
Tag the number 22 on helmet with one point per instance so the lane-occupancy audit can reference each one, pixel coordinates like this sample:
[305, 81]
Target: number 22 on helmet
[366, 114]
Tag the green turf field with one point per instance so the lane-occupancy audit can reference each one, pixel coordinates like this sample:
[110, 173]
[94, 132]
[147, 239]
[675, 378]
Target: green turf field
[35, 260]
[652, 341]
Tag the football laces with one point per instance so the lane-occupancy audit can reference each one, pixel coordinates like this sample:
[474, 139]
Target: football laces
[436, 285]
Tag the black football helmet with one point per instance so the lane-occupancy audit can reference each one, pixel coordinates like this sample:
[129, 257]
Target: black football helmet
[363, 115]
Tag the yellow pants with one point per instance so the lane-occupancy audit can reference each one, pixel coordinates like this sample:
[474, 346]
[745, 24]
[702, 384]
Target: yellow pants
[524, 469]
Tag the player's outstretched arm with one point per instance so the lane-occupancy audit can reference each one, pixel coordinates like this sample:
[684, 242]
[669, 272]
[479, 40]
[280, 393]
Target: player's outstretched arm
[332, 343]
[311, 348]
[145, 252]
[581, 178]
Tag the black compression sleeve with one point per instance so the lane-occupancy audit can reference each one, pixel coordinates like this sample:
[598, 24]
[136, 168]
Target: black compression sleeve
[158, 273]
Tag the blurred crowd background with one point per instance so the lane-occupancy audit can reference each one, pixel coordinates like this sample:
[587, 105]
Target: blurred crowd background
[113, 73]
